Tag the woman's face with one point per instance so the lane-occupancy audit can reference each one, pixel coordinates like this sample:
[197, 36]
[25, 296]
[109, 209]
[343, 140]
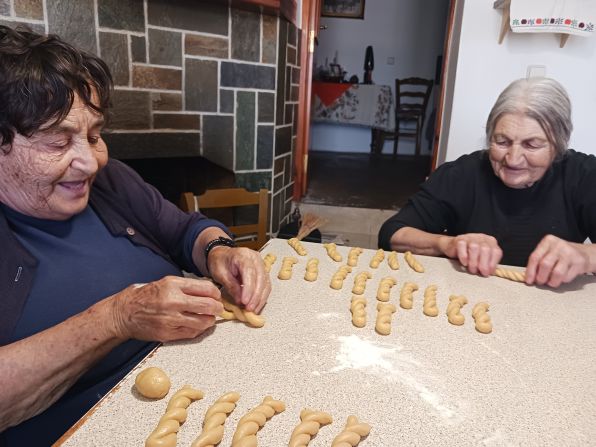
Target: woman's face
[520, 152]
[49, 174]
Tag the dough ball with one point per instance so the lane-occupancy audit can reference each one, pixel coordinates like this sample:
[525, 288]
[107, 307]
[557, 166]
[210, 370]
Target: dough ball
[152, 383]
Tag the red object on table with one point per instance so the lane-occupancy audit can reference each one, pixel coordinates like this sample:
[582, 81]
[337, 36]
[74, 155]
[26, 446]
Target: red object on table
[329, 92]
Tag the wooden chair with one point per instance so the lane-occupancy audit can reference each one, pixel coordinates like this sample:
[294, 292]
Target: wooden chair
[411, 99]
[252, 235]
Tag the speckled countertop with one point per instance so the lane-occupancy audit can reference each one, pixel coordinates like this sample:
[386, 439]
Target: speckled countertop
[532, 381]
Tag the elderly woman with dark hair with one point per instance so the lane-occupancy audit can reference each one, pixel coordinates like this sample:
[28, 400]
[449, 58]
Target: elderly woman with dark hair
[527, 201]
[92, 257]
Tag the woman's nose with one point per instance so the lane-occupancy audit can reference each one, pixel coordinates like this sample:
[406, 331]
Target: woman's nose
[515, 155]
[85, 157]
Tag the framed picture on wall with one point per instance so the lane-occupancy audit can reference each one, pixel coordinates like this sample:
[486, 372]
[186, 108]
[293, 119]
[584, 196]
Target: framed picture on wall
[349, 9]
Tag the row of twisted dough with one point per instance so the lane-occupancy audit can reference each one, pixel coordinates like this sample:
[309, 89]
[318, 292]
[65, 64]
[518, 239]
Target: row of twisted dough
[337, 280]
[215, 418]
[360, 282]
[297, 245]
[454, 315]
[384, 313]
[406, 296]
[413, 262]
[249, 424]
[286, 267]
[429, 305]
[332, 252]
[481, 318]
[310, 424]
[384, 289]
[166, 432]
[377, 259]
[351, 435]
[268, 261]
[353, 256]
[358, 310]
[312, 270]
[233, 312]
[392, 260]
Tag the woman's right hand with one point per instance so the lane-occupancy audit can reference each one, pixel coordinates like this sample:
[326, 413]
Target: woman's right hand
[171, 308]
[479, 253]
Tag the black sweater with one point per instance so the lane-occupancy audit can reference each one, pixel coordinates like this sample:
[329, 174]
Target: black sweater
[465, 196]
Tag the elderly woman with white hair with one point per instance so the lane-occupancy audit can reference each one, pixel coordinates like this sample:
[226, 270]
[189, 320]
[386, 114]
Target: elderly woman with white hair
[527, 201]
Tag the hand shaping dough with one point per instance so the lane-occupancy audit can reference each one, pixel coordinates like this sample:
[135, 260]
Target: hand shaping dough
[165, 434]
[251, 422]
[337, 280]
[377, 258]
[215, 418]
[360, 282]
[513, 275]
[429, 307]
[286, 268]
[311, 422]
[392, 260]
[296, 245]
[152, 383]
[384, 312]
[353, 256]
[406, 296]
[268, 260]
[352, 434]
[358, 309]
[312, 269]
[413, 262]
[332, 252]
[481, 318]
[454, 315]
[385, 288]
[233, 312]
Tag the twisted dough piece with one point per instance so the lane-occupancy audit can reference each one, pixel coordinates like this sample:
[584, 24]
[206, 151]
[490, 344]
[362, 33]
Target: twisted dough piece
[233, 312]
[215, 418]
[377, 258]
[406, 296]
[337, 280]
[332, 252]
[351, 435]
[312, 269]
[481, 318]
[429, 306]
[513, 275]
[413, 262]
[358, 309]
[385, 288]
[392, 260]
[353, 256]
[454, 315]
[165, 434]
[268, 260]
[311, 422]
[286, 267]
[360, 282]
[296, 245]
[384, 312]
[251, 422]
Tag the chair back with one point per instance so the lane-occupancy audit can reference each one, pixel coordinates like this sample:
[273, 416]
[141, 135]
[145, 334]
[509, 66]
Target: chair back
[412, 95]
[251, 235]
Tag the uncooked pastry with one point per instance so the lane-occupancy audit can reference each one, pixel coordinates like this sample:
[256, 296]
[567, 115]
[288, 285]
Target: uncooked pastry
[360, 282]
[385, 288]
[406, 296]
[353, 256]
[296, 245]
[384, 312]
[481, 318]
[513, 275]
[311, 422]
[337, 280]
[286, 268]
[312, 269]
[152, 383]
[215, 418]
[332, 251]
[413, 262]
[251, 422]
[352, 434]
[358, 309]
[429, 306]
[233, 312]
[165, 434]
[454, 315]
[377, 258]
[392, 260]
[268, 260]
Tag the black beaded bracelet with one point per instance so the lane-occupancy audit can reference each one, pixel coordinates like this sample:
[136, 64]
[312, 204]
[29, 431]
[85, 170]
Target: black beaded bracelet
[226, 242]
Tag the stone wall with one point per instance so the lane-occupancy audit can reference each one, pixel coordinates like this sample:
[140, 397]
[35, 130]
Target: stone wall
[192, 78]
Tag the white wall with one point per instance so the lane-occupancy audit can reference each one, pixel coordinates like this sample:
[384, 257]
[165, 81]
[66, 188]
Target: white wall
[485, 68]
[410, 31]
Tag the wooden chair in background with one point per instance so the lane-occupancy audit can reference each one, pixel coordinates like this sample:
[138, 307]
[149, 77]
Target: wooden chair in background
[251, 235]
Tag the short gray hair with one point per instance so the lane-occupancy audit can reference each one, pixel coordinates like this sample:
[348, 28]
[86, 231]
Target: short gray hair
[542, 99]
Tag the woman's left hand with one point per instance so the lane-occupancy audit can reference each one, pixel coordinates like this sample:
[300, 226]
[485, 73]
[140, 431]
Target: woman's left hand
[555, 261]
[242, 273]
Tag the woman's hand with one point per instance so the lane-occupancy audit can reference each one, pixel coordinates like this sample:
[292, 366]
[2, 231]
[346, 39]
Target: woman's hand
[478, 252]
[172, 308]
[242, 273]
[555, 261]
